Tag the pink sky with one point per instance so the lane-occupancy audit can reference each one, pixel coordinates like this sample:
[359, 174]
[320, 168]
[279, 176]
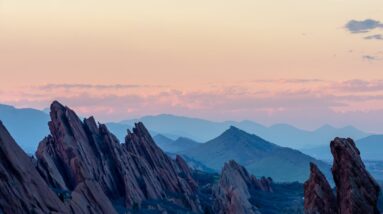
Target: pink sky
[268, 61]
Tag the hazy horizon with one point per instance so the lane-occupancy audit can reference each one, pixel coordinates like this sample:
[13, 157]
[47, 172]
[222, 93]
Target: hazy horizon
[132, 118]
[266, 61]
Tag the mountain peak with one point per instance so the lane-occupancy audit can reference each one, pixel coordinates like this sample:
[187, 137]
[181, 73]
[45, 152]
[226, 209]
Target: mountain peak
[56, 104]
[234, 131]
[319, 197]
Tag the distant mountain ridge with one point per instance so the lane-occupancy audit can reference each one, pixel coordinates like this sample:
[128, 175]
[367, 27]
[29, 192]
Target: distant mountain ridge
[259, 156]
[174, 146]
[370, 147]
[29, 126]
[282, 134]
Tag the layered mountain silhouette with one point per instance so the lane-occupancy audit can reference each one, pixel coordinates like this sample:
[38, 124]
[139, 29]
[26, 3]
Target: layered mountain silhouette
[28, 126]
[259, 156]
[370, 147]
[174, 127]
[175, 146]
[281, 134]
[81, 167]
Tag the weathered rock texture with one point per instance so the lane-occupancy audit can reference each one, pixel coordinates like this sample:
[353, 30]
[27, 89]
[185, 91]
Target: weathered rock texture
[356, 191]
[85, 158]
[22, 190]
[233, 194]
[319, 197]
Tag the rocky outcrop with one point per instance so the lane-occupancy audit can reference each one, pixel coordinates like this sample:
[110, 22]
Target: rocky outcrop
[319, 197]
[81, 157]
[233, 193]
[357, 191]
[22, 190]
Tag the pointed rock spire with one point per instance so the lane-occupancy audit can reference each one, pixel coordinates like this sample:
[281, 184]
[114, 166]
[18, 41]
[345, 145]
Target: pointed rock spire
[233, 191]
[357, 191]
[319, 197]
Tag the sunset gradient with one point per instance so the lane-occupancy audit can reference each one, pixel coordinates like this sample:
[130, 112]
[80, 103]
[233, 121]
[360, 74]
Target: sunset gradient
[269, 61]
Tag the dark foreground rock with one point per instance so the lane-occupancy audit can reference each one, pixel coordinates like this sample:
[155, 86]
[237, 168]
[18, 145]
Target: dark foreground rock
[319, 197]
[22, 190]
[85, 158]
[356, 190]
[233, 192]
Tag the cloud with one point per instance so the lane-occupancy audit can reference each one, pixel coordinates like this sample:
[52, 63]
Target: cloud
[364, 26]
[358, 85]
[370, 58]
[281, 100]
[92, 86]
[302, 80]
[374, 37]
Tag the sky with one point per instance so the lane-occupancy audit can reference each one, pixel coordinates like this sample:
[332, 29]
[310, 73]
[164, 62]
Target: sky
[302, 62]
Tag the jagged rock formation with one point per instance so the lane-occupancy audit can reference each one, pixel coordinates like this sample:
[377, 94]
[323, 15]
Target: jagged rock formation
[81, 157]
[22, 190]
[319, 197]
[357, 191]
[233, 193]
[82, 168]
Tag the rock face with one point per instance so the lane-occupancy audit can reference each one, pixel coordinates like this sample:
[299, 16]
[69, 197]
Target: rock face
[22, 190]
[85, 158]
[319, 197]
[357, 191]
[233, 193]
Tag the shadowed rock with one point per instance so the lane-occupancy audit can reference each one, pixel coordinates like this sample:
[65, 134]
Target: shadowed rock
[22, 190]
[357, 191]
[234, 190]
[83, 157]
[319, 198]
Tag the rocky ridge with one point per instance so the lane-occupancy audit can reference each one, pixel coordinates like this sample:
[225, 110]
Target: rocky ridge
[21, 187]
[82, 168]
[233, 193]
[319, 197]
[356, 190]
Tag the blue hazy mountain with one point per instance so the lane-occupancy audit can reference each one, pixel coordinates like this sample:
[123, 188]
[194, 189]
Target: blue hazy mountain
[370, 147]
[169, 125]
[28, 126]
[174, 146]
[119, 130]
[259, 156]
[282, 134]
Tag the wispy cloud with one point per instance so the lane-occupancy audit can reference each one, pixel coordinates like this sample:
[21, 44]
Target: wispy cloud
[374, 37]
[287, 100]
[93, 86]
[370, 58]
[358, 85]
[364, 26]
